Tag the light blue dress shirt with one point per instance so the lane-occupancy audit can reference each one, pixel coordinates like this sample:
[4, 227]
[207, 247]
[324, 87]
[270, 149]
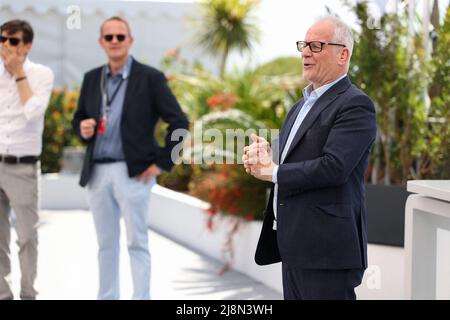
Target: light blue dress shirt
[310, 96]
[109, 144]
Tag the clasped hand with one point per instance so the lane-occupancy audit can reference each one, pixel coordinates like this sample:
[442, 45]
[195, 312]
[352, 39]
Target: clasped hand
[257, 159]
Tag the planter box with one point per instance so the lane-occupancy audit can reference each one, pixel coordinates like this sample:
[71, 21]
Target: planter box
[62, 192]
[386, 214]
[72, 161]
[183, 219]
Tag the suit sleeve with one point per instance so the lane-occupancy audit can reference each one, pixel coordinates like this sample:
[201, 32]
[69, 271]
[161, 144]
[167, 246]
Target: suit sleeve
[80, 113]
[350, 137]
[170, 111]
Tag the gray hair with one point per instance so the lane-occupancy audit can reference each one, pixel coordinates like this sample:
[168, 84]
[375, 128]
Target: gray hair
[342, 32]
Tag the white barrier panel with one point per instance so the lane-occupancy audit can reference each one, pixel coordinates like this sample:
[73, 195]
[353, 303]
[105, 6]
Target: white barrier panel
[427, 243]
[62, 192]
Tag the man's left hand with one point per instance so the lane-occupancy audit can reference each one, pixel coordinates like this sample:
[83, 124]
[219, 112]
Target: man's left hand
[148, 174]
[258, 159]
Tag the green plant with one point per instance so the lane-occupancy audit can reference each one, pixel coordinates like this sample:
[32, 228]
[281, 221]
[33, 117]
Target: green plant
[178, 178]
[225, 25]
[435, 161]
[284, 66]
[231, 191]
[244, 102]
[58, 129]
[392, 69]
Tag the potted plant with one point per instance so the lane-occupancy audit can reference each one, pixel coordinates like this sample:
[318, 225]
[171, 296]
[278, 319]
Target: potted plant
[392, 68]
[58, 132]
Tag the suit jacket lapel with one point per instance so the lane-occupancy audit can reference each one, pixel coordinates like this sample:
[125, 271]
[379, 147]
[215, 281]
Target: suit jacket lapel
[97, 94]
[320, 105]
[132, 84]
[284, 133]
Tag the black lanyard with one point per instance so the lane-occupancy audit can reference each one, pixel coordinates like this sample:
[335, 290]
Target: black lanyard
[105, 96]
[110, 101]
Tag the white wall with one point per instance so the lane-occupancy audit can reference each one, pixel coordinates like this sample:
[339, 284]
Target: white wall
[62, 192]
[385, 277]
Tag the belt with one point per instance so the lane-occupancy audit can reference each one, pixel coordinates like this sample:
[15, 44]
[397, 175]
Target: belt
[106, 160]
[17, 160]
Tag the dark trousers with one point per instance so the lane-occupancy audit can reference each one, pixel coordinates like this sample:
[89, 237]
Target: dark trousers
[320, 284]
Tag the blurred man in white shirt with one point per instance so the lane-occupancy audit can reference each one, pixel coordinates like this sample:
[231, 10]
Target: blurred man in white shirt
[25, 89]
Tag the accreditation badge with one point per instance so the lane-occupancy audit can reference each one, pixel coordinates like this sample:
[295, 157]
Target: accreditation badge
[102, 126]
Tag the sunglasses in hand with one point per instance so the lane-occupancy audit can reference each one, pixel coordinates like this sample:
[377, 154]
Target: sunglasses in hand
[110, 37]
[12, 40]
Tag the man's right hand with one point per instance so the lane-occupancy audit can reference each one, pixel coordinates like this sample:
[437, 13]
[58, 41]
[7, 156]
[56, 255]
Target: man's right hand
[13, 60]
[250, 157]
[87, 128]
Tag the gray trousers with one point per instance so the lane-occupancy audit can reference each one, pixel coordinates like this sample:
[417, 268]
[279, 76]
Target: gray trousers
[19, 191]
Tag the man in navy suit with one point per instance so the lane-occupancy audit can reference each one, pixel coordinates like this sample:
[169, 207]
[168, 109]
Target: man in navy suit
[120, 103]
[315, 220]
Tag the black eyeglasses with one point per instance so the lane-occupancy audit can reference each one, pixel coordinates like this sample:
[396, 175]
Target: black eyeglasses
[12, 40]
[119, 37]
[315, 46]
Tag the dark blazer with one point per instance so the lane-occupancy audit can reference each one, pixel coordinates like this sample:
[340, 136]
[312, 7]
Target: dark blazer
[147, 99]
[321, 220]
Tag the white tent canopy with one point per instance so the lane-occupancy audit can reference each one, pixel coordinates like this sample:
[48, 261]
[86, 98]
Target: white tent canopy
[70, 52]
[89, 7]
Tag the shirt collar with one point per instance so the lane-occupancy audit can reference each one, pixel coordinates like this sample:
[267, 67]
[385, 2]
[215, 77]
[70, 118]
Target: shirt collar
[308, 92]
[125, 70]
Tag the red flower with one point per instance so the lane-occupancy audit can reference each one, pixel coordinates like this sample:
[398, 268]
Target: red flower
[211, 210]
[172, 52]
[209, 223]
[250, 216]
[222, 101]
[214, 102]
[212, 165]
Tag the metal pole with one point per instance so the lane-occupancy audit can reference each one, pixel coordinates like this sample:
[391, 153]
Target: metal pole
[426, 44]
[411, 18]
[426, 27]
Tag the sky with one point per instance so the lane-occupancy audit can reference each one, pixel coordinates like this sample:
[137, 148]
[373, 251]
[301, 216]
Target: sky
[283, 22]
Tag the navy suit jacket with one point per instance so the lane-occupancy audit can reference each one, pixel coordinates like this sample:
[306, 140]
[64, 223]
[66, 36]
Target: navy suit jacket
[321, 220]
[147, 98]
